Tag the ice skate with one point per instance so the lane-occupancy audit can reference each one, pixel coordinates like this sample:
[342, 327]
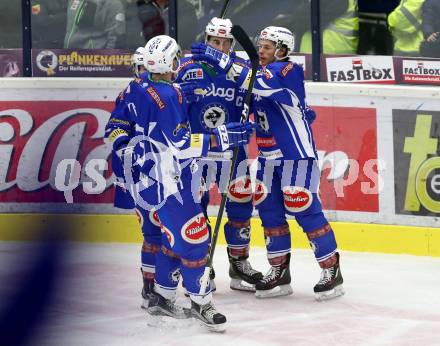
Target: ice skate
[147, 290]
[243, 276]
[159, 306]
[276, 282]
[209, 317]
[330, 284]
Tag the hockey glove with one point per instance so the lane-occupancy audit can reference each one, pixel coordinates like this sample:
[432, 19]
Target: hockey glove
[233, 134]
[220, 61]
[310, 115]
[189, 91]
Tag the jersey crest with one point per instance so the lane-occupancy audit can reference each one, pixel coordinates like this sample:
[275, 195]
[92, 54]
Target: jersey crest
[214, 115]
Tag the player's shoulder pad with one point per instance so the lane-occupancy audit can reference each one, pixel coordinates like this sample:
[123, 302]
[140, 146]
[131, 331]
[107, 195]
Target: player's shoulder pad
[190, 69]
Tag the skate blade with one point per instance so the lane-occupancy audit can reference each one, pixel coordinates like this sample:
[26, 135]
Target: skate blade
[144, 304]
[334, 293]
[158, 311]
[215, 328]
[166, 323]
[241, 285]
[278, 291]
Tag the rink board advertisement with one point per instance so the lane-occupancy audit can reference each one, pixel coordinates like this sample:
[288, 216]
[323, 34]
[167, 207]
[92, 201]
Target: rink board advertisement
[43, 123]
[418, 71]
[417, 161]
[360, 69]
[81, 63]
[37, 135]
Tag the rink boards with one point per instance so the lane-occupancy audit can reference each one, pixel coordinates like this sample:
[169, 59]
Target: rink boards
[377, 144]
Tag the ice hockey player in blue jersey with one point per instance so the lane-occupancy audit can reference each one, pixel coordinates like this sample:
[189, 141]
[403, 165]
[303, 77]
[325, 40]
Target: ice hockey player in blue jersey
[222, 103]
[119, 131]
[288, 175]
[164, 151]
[287, 148]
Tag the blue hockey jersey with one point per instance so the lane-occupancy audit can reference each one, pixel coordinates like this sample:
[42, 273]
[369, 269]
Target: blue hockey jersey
[278, 106]
[163, 139]
[222, 102]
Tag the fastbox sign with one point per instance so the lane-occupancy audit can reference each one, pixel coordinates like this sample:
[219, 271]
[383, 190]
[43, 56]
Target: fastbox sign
[420, 71]
[365, 69]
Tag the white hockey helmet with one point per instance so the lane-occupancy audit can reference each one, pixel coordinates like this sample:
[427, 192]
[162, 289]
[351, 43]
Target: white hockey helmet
[281, 36]
[160, 52]
[137, 60]
[219, 27]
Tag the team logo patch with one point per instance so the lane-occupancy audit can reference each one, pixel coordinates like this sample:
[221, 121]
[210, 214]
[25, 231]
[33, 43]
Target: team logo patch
[168, 234]
[193, 73]
[175, 275]
[140, 217]
[245, 233]
[297, 199]
[154, 218]
[195, 231]
[214, 115]
[260, 193]
[240, 190]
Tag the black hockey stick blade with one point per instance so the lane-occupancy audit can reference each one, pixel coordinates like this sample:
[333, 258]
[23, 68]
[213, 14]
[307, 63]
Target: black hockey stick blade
[224, 8]
[244, 40]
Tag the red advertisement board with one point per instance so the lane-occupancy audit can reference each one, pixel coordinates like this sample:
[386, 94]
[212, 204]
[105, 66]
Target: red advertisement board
[346, 140]
[37, 135]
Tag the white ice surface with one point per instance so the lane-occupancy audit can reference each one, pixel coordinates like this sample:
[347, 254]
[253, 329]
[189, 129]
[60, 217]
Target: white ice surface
[389, 300]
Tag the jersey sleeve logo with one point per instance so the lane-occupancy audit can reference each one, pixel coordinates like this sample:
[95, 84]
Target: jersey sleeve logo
[185, 64]
[287, 69]
[153, 93]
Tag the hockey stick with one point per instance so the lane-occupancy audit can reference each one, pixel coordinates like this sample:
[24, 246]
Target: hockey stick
[225, 8]
[242, 38]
